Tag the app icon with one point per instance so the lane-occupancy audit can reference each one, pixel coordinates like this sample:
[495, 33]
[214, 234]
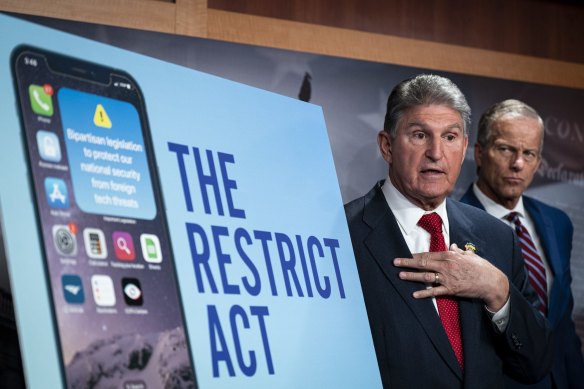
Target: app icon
[72, 289]
[123, 246]
[132, 291]
[100, 117]
[103, 290]
[48, 145]
[40, 99]
[56, 192]
[95, 246]
[64, 239]
[151, 248]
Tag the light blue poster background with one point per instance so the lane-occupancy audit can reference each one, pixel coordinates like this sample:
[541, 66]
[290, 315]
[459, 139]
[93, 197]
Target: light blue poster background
[281, 175]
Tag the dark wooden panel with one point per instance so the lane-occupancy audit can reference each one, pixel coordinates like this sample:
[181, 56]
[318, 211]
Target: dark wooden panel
[543, 28]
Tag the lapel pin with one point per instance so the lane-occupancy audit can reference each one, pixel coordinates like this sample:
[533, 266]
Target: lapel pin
[470, 247]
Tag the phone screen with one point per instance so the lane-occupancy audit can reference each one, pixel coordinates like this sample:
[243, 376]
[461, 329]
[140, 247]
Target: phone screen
[107, 252]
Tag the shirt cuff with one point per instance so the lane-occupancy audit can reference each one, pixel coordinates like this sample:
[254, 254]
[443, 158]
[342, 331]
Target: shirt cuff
[501, 317]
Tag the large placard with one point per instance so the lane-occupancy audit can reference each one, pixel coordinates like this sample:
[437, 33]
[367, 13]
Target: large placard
[269, 288]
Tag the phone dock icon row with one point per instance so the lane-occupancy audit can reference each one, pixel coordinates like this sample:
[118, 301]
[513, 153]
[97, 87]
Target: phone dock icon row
[96, 247]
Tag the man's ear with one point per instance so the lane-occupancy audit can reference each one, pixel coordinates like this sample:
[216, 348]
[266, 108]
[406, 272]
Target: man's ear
[465, 148]
[384, 143]
[478, 155]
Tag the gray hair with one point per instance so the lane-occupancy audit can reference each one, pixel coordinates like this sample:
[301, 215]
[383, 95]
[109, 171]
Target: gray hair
[424, 89]
[508, 108]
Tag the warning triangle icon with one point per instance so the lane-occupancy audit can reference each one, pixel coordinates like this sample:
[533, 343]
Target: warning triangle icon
[100, 118]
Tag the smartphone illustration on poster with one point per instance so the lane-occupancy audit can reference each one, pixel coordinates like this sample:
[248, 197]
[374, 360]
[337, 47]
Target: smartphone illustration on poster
[107, 253]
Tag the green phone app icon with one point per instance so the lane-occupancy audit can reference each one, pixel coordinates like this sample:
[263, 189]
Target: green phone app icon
[151, 248]
[40, 100]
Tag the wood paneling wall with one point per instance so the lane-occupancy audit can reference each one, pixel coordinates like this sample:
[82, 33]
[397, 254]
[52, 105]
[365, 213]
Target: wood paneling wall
[537, 41]
[540, 28]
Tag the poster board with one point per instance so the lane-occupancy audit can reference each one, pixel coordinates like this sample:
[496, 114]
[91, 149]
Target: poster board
[290, 301]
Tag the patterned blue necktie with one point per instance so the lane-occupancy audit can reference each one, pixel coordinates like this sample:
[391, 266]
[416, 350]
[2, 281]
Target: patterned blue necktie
[533, 261]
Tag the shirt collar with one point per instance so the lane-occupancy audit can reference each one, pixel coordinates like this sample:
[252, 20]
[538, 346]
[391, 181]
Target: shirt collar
[407, 213]
[497, 209]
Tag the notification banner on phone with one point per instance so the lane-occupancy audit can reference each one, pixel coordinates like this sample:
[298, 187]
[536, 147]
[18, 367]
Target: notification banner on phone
[106, 155]
[235, 199]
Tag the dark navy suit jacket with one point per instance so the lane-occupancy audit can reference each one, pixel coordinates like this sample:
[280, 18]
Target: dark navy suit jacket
[411, 345]
[555, 232]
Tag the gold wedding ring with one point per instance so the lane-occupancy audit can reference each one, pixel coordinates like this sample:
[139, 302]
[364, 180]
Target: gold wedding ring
[436, 278]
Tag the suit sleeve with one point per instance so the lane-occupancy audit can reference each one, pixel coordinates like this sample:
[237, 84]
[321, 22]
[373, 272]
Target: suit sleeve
[526, 344]
[573, 357]
[570, 348]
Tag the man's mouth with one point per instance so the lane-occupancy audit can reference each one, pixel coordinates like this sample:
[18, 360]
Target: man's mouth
[431, 171]
[513, 180]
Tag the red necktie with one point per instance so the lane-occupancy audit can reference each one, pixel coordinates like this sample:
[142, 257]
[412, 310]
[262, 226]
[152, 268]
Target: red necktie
[534, 263]
[447, 306]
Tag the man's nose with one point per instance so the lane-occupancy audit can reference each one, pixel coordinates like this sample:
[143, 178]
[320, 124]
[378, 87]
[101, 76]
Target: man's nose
[434, 149]
[517, 161]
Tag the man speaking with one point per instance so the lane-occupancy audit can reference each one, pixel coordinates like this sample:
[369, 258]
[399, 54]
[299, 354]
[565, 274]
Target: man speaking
[445, 285]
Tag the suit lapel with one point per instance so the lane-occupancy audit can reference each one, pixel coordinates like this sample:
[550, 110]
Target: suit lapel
[471, 199]
[462, 232]
[385, 242]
